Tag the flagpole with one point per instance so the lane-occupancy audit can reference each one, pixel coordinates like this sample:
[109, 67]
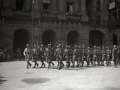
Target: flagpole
[32, 21]
[32, 24]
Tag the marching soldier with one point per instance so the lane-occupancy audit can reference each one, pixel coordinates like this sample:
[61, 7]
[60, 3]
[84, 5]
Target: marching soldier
[83, 55]
[35, 56]
[56, 54]
[42, 56]
[79, 55]
[60, 57]
[94, 55]
[108, 53]
[27, 53]
[89, 57]
[114, 55]
[75, 56]
[66, 54]
[118, 56]
[99, 56]
[47, 53]
[103, 52]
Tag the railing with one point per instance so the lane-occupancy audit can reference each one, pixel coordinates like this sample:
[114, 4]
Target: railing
[98, 23]
[114, 23]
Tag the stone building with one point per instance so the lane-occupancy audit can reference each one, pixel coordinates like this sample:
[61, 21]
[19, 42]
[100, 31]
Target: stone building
[81, 22]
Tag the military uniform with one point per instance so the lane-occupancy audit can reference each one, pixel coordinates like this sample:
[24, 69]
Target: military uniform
[89, 56]
[84, 57]
[115, 55]
[27, 53]
[42, 57]
[103, 52]
[79, 55]
[56, 54]
[75, 53]
[118, 56]
[108, 53]
[66, 55]
[35, 56]
[47, 54]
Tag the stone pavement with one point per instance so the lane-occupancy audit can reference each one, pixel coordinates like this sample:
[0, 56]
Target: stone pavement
[15, 76]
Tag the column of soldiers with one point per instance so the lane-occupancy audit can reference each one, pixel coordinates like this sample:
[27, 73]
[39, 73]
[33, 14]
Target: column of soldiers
[75, 56]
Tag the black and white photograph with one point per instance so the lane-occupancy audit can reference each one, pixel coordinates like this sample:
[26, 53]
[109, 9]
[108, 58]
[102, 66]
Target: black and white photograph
[59, 44]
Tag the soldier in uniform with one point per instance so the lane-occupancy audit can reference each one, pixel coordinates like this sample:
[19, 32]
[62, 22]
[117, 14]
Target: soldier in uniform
[35, 55]
[27, 53]
[83, 55]
[103, 52]
[75, 53]
[47, 53]
[98, 55]
[60, 57]
[89, 57]
[114, 55]
[108, 53]
[79, 55]
[66, 56]
[94, 55]
[42, 56]
[118, 56]
[56, 54]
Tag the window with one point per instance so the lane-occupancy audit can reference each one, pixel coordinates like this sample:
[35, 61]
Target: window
[46, 4]
[70, 7]
[20, 4]
[114, 15]
[98, 20]
[98, 5]
[118, 14]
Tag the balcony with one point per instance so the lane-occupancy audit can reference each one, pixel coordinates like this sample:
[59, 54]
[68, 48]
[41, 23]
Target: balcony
[73, 17]
[98, 23]
[114, 23]
[49, 15]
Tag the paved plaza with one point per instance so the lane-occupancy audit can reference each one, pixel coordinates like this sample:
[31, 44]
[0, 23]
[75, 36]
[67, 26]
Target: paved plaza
[15, 76]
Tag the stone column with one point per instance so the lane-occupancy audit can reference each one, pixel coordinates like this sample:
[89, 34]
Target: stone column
[62, 9]
[102, 12]
[40, 4]
[53, 5]
[84, 16]
[28, 4]
[36, 9]
[6, 4]
[77, 6]
[13, 4]
[62, 6]
[94, 6]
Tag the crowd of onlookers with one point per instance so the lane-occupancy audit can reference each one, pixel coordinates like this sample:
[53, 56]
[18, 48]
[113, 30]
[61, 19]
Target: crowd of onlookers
[4, 56]
[8, 55]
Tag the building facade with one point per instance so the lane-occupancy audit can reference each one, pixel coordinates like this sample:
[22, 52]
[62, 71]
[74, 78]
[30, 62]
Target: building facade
[81, 22]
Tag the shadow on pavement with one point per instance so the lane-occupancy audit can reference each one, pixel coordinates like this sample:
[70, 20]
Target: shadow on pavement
[1, 80]
[33, 81]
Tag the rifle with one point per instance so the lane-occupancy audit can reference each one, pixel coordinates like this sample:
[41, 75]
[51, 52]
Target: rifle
[54, 46]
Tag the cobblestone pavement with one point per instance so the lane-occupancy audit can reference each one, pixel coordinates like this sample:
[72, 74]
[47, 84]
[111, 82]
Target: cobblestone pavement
[15, 76]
